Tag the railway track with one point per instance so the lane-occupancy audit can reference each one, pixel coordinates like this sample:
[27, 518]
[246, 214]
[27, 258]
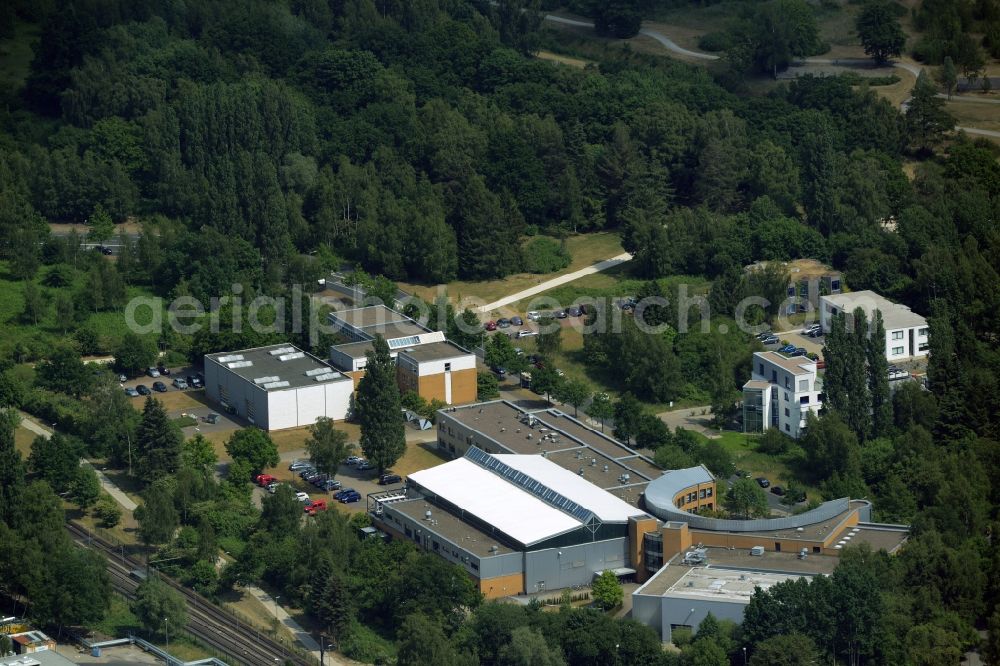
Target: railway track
[207, 622]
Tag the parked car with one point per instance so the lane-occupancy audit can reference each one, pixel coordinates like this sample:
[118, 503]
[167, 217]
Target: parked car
[350, 498]
[331, 484]
[298, 465]
[364, 466]
[132, 393]
[491, 325]
[763, 482]
[503, 323]
[152, 372]
[534, 315]
[575, 311]
[319, 480]
[264, 480]
[787, 349]
[179, 383]
[798, 351]
[810, 329]
[343, 492]
[122, 379]
[193, 381]
[302, 497]
[317, 505]
[766, 334]
[159, 387]
[817, 333]
[525, 333]
[163, 370]
[516, 321]
[212, 417]
[353, 460]
[821, 364]
[306, 472]
[389, 479]
[778, 490]
[273, 487]
[106, 251]
[500, 371]
[771, 340]
[560, 314]
[142, 389]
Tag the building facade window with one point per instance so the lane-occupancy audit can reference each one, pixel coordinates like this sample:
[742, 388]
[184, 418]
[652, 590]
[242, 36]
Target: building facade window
[897, 335]
[787, 413]
[447, 367]
[803, 385]
[923, 332]
[897, 350]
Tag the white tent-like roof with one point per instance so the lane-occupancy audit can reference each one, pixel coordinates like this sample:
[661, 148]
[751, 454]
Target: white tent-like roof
[495, 501]
[607, 507]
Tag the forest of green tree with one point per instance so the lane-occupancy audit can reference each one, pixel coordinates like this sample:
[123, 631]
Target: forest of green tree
[419, 139]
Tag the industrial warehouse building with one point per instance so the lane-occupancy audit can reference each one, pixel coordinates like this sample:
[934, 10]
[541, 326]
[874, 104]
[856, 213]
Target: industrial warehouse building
[425, 362]
[537, 501]
[277, 387]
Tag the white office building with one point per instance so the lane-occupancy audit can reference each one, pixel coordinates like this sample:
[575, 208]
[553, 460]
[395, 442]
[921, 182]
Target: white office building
[780, 392]
[277, 387]
[906, 333]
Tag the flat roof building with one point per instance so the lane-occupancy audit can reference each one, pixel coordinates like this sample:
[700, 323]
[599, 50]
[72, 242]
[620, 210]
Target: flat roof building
[426, 362]
[782, 390]
[906, 333]
[535, 500]
[278, 386]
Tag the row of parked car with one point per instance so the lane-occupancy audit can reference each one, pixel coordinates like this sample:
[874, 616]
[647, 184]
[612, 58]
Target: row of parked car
[179, 383]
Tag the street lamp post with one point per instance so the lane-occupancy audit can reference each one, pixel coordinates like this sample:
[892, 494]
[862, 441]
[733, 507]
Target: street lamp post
[166, 631]
[276, 606]
[744, 656]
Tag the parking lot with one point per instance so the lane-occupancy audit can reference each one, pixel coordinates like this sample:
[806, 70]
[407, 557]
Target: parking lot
[795, 337]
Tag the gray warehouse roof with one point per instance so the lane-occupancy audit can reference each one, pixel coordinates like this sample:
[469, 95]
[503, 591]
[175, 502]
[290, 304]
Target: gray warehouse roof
[373, 315]
[277, 367]
[434, 351]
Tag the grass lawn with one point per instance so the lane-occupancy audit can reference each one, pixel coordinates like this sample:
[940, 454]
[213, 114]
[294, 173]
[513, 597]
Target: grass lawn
[565, 60]
[418, 456]
[779, 469]
[22, 441]
[16, 55]
[585, 249]
[976, 114]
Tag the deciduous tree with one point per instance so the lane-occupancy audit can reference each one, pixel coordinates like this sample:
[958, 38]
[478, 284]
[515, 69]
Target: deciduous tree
[327, 446]
[880, 32]
[254, 446]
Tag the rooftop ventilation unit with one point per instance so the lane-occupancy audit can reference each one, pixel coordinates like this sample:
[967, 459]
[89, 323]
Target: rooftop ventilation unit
[494, 548]
[281, 350]
[427, 514]
[272, 385]
[316, 371]
[580, 472]
[326, 377]
[605, 469]
[292, 356]
[239, 364]
[230, 358]
[593, 462]
[626, 477]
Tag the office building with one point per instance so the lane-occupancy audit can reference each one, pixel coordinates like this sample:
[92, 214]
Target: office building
[906, 332]
[781, 391]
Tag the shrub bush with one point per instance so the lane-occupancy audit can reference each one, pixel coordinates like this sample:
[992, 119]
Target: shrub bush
[715, 41]
[545, 255]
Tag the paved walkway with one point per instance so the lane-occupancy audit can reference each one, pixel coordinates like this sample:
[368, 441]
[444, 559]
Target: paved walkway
[106, 483]
[691, 418]
[556, 281]
[304, 638]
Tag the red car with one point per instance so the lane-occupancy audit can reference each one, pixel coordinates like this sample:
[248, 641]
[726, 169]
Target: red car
[491, 326]
[264, 480]
[317, 505]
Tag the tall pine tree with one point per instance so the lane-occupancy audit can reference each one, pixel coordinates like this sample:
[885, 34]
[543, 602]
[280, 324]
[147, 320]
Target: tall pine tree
[159, 443]
[878, 377]
[383, 439]
[11, 469]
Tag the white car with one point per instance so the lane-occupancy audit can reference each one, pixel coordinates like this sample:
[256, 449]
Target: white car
[302, 497]
[273, 487]
[810, 329]
[534, 315]
[525, 332]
